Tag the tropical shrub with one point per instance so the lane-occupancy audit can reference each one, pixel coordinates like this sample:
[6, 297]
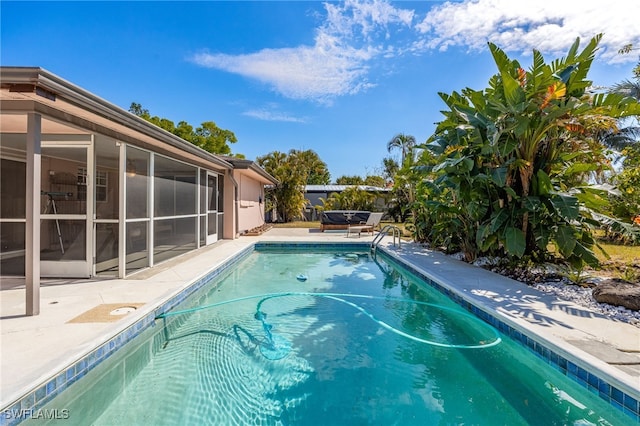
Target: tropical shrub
[286, 198]
[515, 161]
[351, 198]
[626, 204]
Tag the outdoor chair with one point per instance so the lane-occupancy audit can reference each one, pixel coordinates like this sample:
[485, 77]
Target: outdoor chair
[368, 226]
[341, 219]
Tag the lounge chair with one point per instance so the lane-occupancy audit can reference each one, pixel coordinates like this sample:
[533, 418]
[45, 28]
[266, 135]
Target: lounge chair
[342, 219]
[368, 226]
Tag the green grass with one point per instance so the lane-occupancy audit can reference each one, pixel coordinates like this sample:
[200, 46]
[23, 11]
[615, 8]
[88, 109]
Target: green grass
[622, 262]
[619, 253]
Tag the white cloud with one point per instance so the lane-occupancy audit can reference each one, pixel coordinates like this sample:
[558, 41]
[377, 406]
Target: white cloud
[270, 114]
[319, 72]
[550, 26]
[335, 65]
[357, 35]
[362, 19]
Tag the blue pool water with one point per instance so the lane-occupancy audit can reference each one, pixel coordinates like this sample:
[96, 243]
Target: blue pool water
[356, 341]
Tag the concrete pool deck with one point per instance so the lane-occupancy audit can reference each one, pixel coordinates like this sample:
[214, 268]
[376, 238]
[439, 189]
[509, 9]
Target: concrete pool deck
[33, 349]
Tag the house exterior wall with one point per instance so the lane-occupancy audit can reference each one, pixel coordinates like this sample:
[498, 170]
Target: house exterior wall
[311, 213]
[230, 208]
[313, 198]
[250, 202]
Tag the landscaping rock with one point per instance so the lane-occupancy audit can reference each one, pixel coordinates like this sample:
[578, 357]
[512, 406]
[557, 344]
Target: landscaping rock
[619, 293]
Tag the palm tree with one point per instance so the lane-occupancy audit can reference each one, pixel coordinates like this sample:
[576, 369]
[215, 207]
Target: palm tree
[619, 139]
[626, 143]
[311, 164]
[403, 142]
[390, 168]
[626, 136]
[628, 88]
[287, 197]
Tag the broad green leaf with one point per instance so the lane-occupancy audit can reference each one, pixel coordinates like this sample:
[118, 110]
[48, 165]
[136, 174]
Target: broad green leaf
[532, 203]
[499, 176]
[455, 165]
[514, 242]
[512, 90]
[566, 73]
[472, 116]
[542, 235]
[510, 191]
[603, 189]
[500, 58]
[566, 206]
[467, 164]
[565, 240]
[437, 146]
[578, 168]
[481, 235]
[543, 182]
[513, 93]
[445, 164]
[477, 210]
[592, 200]
[628, 230]
[522, 127]
[586, 255]
[506, 147]
[499, 219]
[489, 243]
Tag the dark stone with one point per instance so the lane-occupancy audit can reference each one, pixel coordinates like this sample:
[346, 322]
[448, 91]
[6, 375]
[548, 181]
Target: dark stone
[618, 292]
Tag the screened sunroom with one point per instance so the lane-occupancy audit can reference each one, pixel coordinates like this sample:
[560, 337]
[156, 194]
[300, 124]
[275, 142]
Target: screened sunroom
[88, 189]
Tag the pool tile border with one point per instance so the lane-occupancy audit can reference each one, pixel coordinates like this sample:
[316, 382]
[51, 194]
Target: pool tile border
[30, 405]
[614, 396]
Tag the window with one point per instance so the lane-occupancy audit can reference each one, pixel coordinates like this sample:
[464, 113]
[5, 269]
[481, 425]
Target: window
[101, 185]
[82, 183]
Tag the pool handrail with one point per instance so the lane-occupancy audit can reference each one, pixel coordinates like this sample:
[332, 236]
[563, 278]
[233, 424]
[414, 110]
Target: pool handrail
[383, 232]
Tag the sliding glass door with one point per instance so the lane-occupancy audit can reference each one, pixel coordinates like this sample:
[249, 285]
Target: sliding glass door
[212, 208]
[66, 233]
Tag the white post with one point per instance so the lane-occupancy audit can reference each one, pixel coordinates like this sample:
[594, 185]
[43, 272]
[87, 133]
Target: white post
[150, 211]
[122, 235]
[32, 237]
[198, 207]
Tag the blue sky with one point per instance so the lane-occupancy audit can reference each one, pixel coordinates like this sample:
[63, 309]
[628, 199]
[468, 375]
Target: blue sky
[340, 78]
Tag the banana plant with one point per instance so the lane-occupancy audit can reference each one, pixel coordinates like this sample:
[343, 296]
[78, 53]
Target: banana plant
[511, 155]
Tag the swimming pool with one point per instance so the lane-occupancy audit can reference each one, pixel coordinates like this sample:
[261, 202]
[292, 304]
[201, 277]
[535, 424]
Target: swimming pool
[327, 337]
